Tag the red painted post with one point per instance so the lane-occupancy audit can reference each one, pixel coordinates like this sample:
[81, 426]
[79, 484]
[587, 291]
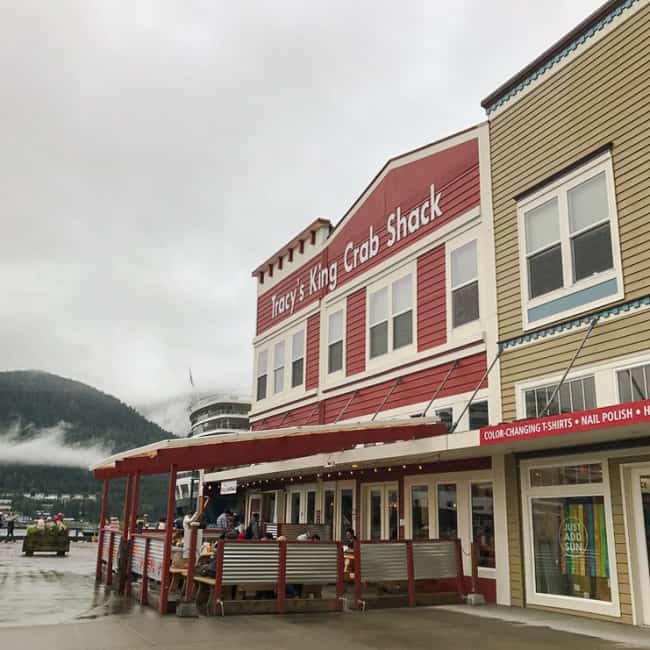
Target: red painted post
[109, 564]
[127, 506]
[135, 500]
[460, 586]
[169, 527]
[282, 578]
[191, 562]
[218, 585]
[410, 572]
[145, 573]
[339, 576]
[102, 520]
[358, 590]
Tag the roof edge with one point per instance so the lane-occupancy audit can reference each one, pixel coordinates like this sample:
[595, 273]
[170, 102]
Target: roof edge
[579, 30]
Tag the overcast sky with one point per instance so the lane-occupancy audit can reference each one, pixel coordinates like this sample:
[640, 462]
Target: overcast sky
[153, 153]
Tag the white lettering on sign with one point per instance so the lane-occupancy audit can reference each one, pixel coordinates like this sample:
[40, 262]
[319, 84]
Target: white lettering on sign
[398, 227]
[573, 537]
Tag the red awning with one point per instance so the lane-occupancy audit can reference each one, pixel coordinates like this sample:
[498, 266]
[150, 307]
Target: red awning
[232, 450]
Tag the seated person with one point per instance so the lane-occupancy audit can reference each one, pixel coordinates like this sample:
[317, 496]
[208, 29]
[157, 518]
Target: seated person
[349, 540]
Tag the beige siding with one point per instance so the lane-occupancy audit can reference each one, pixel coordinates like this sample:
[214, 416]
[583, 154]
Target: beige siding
[602, 96]
[515, 544]
[611, 337]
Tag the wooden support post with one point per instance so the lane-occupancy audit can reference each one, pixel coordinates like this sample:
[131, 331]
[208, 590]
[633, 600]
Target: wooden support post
[282, 578]
[474, 548]
[126, 515]
[135, 502]
[357, 508]
[218, 585]
[410, 572]
[340, 584]
[145, 573]
[460, 576]
[191, 562]
[109, 565]
[358, 588]
[102, 520]
[169, 528]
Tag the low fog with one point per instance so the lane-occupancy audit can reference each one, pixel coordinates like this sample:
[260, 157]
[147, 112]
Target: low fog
[47, 447]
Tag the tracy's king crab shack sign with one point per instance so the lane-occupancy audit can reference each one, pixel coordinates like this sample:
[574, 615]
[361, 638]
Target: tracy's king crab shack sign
[576, 422]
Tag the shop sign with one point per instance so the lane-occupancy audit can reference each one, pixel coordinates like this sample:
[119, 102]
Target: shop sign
[573, 537]
[397, 226]
[577, 422]
[228, 487]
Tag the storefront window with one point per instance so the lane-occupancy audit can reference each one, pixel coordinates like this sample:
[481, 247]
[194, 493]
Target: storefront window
[570, 547]
[311, 507]
[566, 475]
[347, 502]
[447, 511]
[483, 523]
[375, 514]
[328, 507]
[295, 507]
[420, 511]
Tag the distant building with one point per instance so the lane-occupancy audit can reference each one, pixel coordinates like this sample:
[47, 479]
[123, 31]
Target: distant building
[212, 415]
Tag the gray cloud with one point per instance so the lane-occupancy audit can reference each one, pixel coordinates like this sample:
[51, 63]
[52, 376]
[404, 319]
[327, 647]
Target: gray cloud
[153, 153]
[47, 447]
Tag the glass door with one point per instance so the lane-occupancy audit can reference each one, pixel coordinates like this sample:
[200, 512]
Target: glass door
[381, 519]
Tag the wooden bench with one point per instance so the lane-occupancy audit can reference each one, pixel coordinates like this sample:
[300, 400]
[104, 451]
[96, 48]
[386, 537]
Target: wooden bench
[177, 579]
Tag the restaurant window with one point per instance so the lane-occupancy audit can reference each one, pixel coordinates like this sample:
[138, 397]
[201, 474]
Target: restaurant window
[278, 367]
[464, 284]
[633, 383]
[297, 358]
[420, 511]
[262, 361]
[483, 523]
[335, 342]
[574, 395]
[402, 308]
[447, 511]
[394, 330]
[379, 323]
[568, 241]
[294, 504]
[328, 507]
[478, 415]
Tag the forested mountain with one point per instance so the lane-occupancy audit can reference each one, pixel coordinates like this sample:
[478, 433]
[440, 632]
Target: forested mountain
[49, 424]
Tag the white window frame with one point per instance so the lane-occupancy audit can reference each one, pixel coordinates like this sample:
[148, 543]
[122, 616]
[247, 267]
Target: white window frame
[484, 569]
[528, 493]
[453, 288]
[331, 312]
[302, 329]
[393, 356]
[583, 374]
[473, 329]
[258, 352]
[559, 188]
[283, 367]
[627, 366]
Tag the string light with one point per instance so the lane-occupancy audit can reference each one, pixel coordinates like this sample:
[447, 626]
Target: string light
[390, 469]
[419, 466]
[374, 470]
[403, 466]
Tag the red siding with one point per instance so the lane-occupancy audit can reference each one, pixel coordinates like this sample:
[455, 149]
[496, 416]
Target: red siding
[432, 306]
[355, 333]
[416, 387]
[300, 416]
[312, 352]
[453, 171]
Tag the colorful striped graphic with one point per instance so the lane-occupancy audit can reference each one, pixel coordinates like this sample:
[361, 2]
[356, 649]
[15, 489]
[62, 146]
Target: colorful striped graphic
[583, 540]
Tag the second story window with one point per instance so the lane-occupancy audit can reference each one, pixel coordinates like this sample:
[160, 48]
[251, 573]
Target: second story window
[391, 330]
[402, 303]
[633, 383]
[574, 395]
[464, 285]
[335, 342]
[261, 374]
[568, 243]
[278, 367]
[379, 322]
[297, 358]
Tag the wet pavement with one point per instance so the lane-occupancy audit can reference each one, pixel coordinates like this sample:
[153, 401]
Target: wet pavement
[52, 602]
[46, 589]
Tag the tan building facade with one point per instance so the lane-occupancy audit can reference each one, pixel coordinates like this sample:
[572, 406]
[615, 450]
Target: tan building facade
[570, 167]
